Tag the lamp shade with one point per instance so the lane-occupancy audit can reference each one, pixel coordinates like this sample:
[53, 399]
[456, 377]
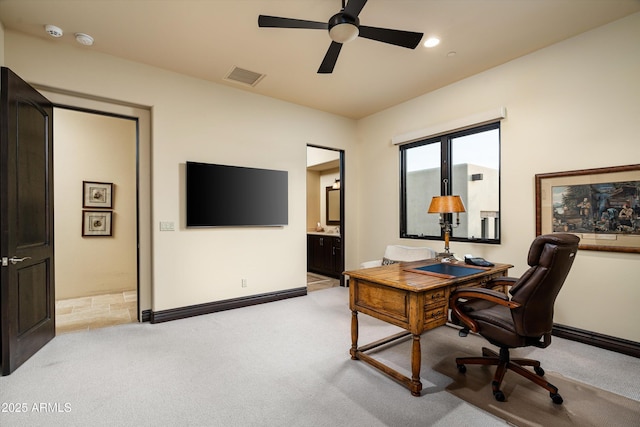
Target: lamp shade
[446, 204]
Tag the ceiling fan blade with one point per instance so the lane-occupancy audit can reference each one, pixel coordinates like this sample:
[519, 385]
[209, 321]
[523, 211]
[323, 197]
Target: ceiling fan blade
[330, 58]
[408, 39]
[277, 22]
[354, 7]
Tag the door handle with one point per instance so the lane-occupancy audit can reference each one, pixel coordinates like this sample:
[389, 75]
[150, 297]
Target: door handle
[13, 260]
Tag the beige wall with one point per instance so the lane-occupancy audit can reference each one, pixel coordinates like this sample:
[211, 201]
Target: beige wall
[313, 199]
[574, 105]
[1, 44]
[201, 121]
[91, 147]
[571, 106]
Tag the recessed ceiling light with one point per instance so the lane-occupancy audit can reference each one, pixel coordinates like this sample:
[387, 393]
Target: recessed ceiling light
[432, 42]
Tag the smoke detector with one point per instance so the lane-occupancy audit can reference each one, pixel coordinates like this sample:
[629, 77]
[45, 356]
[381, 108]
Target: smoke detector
[84, 39]
[53, 31]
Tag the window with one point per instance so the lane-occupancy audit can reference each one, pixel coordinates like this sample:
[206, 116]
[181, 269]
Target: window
[464, 163]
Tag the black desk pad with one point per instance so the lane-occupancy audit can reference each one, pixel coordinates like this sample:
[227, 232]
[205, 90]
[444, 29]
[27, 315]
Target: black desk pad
[446, 269]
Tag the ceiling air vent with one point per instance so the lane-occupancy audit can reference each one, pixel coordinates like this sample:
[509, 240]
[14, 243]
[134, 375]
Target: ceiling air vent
[245, 77]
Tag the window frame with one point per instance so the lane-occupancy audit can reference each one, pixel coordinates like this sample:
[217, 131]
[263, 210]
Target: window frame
[446, 187]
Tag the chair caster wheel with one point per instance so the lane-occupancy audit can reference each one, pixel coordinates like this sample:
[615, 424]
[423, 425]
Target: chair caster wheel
[539, 371]
[556, 398]
[499, 395]
[462, 369]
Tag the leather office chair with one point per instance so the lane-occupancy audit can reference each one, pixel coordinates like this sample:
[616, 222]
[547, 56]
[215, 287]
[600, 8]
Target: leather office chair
[523, 320]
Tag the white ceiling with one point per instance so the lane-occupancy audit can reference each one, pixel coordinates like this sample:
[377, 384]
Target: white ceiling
[207, 38]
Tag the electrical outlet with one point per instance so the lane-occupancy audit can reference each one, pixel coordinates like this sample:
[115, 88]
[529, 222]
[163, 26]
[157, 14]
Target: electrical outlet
[244, 283]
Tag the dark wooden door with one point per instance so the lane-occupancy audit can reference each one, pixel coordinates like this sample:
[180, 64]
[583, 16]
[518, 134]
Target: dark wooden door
[27, 303]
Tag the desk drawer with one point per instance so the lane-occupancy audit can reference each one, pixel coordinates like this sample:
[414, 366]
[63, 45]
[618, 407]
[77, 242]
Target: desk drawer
[436, 298]
[435, 316]
[435, 308]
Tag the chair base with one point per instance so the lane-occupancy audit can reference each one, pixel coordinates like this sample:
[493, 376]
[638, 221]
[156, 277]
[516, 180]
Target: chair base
[503, 363]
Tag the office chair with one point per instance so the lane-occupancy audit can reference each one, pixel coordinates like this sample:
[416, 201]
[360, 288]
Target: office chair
[525, 319]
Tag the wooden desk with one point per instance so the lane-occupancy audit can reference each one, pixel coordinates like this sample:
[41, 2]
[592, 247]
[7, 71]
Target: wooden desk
[413, 301]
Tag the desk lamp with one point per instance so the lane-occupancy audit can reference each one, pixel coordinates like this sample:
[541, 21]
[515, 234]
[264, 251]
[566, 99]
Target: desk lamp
[444, 205]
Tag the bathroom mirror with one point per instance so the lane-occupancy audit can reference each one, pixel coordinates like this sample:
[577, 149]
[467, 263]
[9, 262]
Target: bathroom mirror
[333, 206]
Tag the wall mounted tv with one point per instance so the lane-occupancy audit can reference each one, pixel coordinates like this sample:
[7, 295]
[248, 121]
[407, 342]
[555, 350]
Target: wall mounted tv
[232, 196]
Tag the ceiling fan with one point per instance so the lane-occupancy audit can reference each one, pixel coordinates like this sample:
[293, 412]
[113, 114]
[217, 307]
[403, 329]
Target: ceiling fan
[343, 27]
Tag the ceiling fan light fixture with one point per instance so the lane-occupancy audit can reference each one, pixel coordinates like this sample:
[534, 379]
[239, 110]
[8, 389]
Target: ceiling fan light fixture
[343, 28]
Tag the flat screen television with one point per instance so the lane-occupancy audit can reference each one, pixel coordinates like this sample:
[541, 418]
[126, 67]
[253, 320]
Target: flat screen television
[233, 196]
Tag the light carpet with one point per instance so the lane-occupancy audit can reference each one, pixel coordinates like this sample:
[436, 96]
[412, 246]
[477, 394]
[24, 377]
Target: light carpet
[284, 363]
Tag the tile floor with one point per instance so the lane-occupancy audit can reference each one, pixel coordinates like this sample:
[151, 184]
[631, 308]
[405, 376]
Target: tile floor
[316, 282]
[96, 311]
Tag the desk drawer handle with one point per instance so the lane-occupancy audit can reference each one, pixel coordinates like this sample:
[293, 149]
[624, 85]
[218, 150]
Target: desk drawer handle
[436, 315]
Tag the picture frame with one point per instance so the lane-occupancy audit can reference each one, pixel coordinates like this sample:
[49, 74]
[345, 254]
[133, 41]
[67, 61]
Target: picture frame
[601, 206]
[97, 223]
[97, 195]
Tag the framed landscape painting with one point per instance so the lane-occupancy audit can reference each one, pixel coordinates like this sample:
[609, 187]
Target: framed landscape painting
[601, 206]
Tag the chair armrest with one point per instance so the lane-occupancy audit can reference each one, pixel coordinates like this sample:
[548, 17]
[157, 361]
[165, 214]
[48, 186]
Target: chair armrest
[477, 293]
[507, 281]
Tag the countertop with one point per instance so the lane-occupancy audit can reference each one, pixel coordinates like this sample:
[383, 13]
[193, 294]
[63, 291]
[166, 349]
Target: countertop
[324, 233]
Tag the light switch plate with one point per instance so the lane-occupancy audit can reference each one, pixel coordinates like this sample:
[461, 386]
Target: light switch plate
[167, 226]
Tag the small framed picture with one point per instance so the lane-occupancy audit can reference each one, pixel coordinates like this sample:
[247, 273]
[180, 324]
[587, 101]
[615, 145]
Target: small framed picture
[97, 195]
[97, 223]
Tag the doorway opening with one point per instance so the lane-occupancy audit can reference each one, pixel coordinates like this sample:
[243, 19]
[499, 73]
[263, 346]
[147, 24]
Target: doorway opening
[96, 268]
[325, 217]
[141, 115]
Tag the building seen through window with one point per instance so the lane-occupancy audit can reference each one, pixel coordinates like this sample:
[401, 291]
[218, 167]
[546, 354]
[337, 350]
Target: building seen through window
[465, 163]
